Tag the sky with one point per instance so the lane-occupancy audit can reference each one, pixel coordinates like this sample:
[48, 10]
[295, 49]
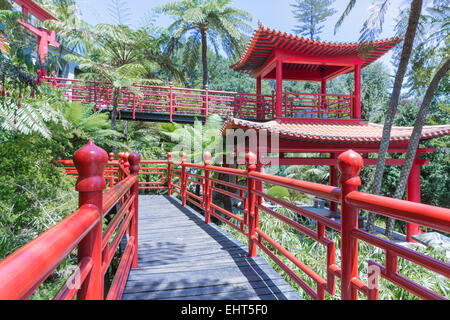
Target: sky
[274, 14]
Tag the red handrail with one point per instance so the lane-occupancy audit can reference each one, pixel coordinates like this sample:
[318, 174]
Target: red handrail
[251, 192]
[22, 272]
[350, 163]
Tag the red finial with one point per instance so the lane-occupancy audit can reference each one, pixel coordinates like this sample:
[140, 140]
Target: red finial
[169, 156]
[250, 159]
[207, 158]
[134, 160]
[90, 162]
[111, 156]
[350, 164]
[183, 157]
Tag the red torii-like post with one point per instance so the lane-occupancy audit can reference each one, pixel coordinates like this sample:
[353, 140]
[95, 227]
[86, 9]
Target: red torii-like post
[44, 37]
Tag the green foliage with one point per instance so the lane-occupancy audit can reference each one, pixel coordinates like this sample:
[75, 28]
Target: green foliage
[204, 22]
[311, 14]
[34, 193]
[278, 192]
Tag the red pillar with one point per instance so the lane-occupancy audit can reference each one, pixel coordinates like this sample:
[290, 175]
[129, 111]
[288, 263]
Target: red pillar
[350, 164]
[322, 100]
[279, 93]
[134, 160]
[357, 104]
[413, 194]
[90, 162]
[333, 181]
[259, 111]
[250, 160]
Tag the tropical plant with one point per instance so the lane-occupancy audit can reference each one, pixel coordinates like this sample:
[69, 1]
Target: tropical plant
[311, 14]
[207, 21]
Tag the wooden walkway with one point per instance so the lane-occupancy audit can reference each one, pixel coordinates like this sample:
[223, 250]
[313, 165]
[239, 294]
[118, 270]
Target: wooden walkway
[181, 257]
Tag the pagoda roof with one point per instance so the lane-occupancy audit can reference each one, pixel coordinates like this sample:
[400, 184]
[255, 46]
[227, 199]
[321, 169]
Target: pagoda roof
[348, 131]
[265, 41]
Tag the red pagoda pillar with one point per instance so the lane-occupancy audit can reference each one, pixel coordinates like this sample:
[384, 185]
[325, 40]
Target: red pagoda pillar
[413, 194]
[323, 91]
[357, 101]
[259, 110]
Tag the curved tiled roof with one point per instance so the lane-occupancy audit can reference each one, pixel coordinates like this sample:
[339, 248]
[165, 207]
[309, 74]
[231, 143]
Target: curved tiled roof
[350, 131]
[265, 40]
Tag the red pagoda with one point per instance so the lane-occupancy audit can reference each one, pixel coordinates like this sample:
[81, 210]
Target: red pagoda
[321, 123]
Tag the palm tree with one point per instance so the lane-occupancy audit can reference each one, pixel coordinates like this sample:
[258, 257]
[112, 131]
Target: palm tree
[114, 57]
[207, 21]
[413, 21]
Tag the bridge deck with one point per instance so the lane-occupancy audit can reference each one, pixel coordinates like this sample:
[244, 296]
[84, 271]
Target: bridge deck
[181, 257]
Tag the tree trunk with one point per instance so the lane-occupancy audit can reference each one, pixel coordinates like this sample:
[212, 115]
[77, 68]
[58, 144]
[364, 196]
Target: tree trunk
[204, 58]
[114, 116]
[415, 137]
[416, 7]
[125, 129]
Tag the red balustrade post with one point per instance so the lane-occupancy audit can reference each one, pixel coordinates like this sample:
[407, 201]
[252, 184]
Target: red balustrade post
[95, 96]
[183, 179]
[120, 173]
[286, 112]
[357, 105]
[170, 100]
[259, 111]
[206, 103]
[240, 104]
[273, 104]
[134, 106]
[350, 164]
[250, 159]
[413, 194]
[134, 160]
[90, 162]
[206, 187]
[169, 173]
[111, 170]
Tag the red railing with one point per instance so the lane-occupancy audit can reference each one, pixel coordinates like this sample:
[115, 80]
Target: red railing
[185, 101]
[23, 272]
[245, 185]
[317, 105]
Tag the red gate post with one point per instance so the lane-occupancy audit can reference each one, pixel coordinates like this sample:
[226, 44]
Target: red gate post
[350, 164]
[413, 194]
[134, 160]
[183, 179]
[250, 160]
[90, 162]
[169, 173]
[206, 187]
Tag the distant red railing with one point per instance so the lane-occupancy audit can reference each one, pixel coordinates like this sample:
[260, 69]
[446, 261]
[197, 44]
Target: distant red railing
[203, 102]
[22, 272]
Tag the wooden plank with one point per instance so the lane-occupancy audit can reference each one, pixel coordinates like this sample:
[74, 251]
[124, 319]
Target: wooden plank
[181, 257]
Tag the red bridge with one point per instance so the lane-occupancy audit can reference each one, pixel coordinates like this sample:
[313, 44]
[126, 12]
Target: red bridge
[171, 251]
[161, 237]
[158, 103]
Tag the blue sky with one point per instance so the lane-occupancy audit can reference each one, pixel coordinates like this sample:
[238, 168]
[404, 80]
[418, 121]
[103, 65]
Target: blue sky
[273, 14]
